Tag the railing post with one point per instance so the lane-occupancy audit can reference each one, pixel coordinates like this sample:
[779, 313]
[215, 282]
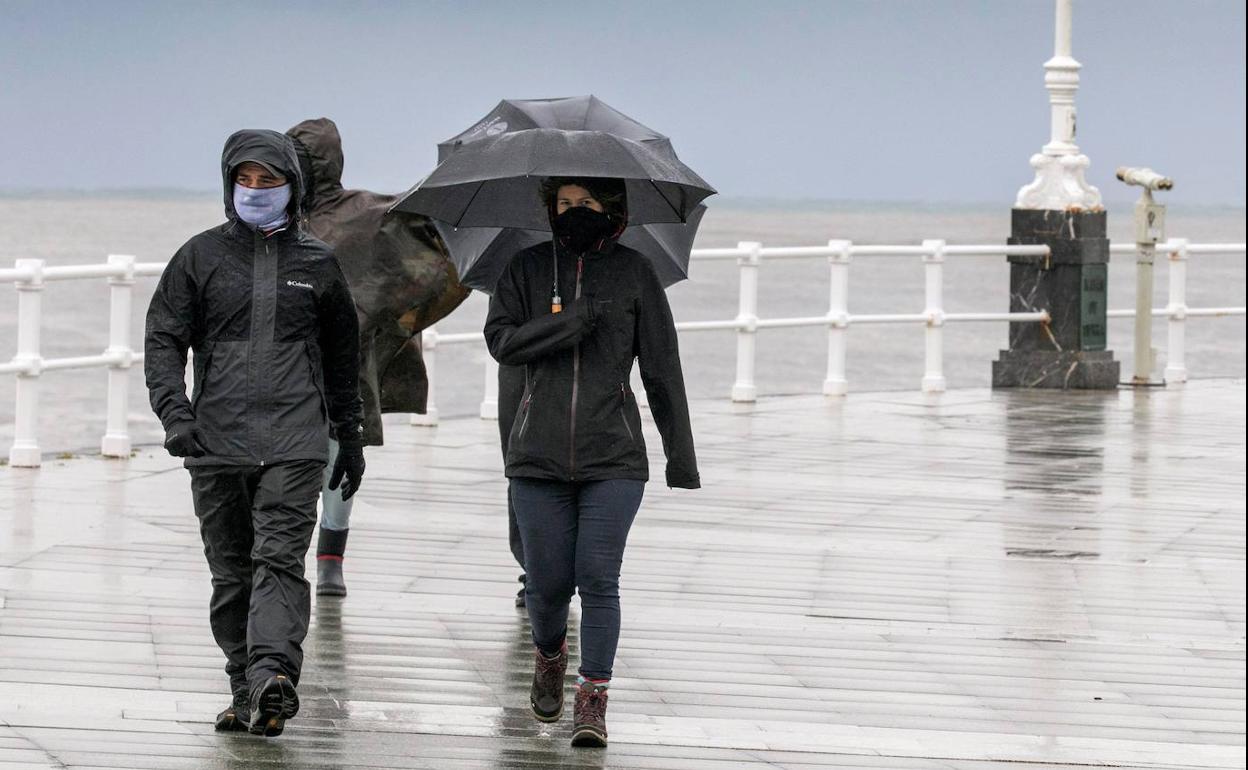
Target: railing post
[1176, 311]
[835, 384]
[933, 283]
[25, 450]
[116, 441]
[747, 319]
[489, 404]
[1143, 364]
[429, 351]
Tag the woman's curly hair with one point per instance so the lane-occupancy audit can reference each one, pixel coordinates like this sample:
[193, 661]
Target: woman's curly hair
[609, 192]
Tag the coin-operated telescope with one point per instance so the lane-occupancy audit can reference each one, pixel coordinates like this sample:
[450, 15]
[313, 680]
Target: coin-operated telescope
[1150, 229]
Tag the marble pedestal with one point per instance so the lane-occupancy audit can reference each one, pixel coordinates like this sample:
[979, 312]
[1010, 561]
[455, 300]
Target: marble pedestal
[1069, 351]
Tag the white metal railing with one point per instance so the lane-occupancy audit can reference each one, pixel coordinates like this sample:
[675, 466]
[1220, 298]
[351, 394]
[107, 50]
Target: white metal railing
[839, 253]
[1176, 309]
[30, 276]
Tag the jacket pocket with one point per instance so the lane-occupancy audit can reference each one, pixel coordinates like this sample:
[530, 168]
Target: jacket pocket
[315, 374]
[222, 399]
[202, 365]
[624, 413]
[524, 420]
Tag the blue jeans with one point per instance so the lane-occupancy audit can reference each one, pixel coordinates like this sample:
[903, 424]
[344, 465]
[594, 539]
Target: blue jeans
[335, 512]
[574, 536]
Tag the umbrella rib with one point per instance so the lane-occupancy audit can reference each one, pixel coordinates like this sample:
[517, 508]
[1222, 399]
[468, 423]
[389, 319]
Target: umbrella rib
[470, 200]
[675, 210]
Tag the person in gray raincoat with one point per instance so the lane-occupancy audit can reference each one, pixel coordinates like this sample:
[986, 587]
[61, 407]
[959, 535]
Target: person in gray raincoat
[402, 282]
[270, 318]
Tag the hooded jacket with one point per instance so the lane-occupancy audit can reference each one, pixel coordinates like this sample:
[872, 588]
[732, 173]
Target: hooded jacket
[272, 324]
[578, 418]
[400, 276]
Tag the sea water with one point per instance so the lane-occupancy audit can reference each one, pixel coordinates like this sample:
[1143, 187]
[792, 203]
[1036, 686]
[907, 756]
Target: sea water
[81, 229]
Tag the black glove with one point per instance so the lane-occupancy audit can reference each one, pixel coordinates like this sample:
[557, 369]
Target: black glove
[184, 440]
[350, 463]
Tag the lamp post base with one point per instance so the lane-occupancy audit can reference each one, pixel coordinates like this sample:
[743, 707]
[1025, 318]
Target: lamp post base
[1056, 370]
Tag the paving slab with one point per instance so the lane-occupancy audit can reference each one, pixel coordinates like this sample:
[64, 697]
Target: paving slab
[975, 580]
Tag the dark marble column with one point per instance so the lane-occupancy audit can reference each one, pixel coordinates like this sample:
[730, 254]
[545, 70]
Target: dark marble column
[1068, 352]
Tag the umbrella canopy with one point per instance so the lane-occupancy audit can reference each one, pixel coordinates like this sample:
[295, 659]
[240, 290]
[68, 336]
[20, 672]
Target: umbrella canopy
[494, 182]
[481, 253]
[572, 113]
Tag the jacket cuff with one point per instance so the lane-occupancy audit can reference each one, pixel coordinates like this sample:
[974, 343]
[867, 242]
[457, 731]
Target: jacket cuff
[351, 434]
[683, 480]
[175, 424]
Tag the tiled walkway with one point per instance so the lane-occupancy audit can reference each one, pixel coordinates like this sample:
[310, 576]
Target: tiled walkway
[974, 580]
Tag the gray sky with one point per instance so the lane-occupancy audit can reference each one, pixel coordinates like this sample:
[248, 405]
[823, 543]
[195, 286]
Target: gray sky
[876, 100]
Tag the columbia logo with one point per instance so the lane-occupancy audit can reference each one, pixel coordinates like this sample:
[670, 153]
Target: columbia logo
[300, 284]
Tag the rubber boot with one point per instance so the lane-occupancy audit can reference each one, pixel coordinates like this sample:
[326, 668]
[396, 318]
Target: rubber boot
[330, 547]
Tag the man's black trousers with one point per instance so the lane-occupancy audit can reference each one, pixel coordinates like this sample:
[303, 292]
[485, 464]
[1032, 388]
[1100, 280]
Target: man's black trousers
[256, 524]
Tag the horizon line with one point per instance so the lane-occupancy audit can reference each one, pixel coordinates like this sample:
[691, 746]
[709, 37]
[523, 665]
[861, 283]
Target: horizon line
[722, 199]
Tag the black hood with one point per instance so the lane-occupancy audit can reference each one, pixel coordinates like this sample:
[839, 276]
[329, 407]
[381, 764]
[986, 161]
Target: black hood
[320, 152]
[268, 148]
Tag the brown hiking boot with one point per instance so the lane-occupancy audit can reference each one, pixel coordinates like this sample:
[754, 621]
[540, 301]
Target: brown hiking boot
[590, 727]
[546, 694]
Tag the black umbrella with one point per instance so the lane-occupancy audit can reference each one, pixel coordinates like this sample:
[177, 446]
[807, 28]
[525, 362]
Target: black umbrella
[494, 182]
[481, 253]
[572, 113]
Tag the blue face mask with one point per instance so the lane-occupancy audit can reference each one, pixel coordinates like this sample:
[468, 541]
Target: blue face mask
[264, 208]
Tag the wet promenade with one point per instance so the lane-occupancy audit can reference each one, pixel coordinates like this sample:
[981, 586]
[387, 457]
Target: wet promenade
[976, 580]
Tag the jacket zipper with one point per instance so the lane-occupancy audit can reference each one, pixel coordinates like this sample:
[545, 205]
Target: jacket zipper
[266, 444]
[623, 414]
[576, 379]
[524, 424]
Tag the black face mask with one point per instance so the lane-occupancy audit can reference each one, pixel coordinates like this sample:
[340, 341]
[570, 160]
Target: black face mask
[580, 228]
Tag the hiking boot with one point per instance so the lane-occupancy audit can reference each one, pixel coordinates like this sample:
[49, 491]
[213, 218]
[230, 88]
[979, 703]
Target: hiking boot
[329, 580]
[236, 715]
[520, 593]
[590, 726]
[272, 703]
[546, 694]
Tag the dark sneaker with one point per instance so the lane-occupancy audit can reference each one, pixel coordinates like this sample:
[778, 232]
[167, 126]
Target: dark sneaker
[520, 593]
[546, 695]
[236, 715]
[272, 703]
[590, 727]
[329, 581]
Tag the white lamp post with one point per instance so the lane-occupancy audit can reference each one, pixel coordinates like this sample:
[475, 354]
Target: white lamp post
[1059, 182]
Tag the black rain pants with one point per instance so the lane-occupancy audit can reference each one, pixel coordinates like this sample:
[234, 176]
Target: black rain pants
[256, 524]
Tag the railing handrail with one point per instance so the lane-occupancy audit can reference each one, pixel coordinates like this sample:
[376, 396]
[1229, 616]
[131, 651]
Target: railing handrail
[150, 269]
[31, 275]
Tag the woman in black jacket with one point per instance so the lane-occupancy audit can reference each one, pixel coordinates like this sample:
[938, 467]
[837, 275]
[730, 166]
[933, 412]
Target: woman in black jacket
[575, 313]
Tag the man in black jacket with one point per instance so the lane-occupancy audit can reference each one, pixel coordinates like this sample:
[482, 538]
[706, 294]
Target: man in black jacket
[270, 318]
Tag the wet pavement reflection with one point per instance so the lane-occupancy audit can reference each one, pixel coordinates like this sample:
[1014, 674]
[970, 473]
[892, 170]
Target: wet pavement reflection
[894, 580]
